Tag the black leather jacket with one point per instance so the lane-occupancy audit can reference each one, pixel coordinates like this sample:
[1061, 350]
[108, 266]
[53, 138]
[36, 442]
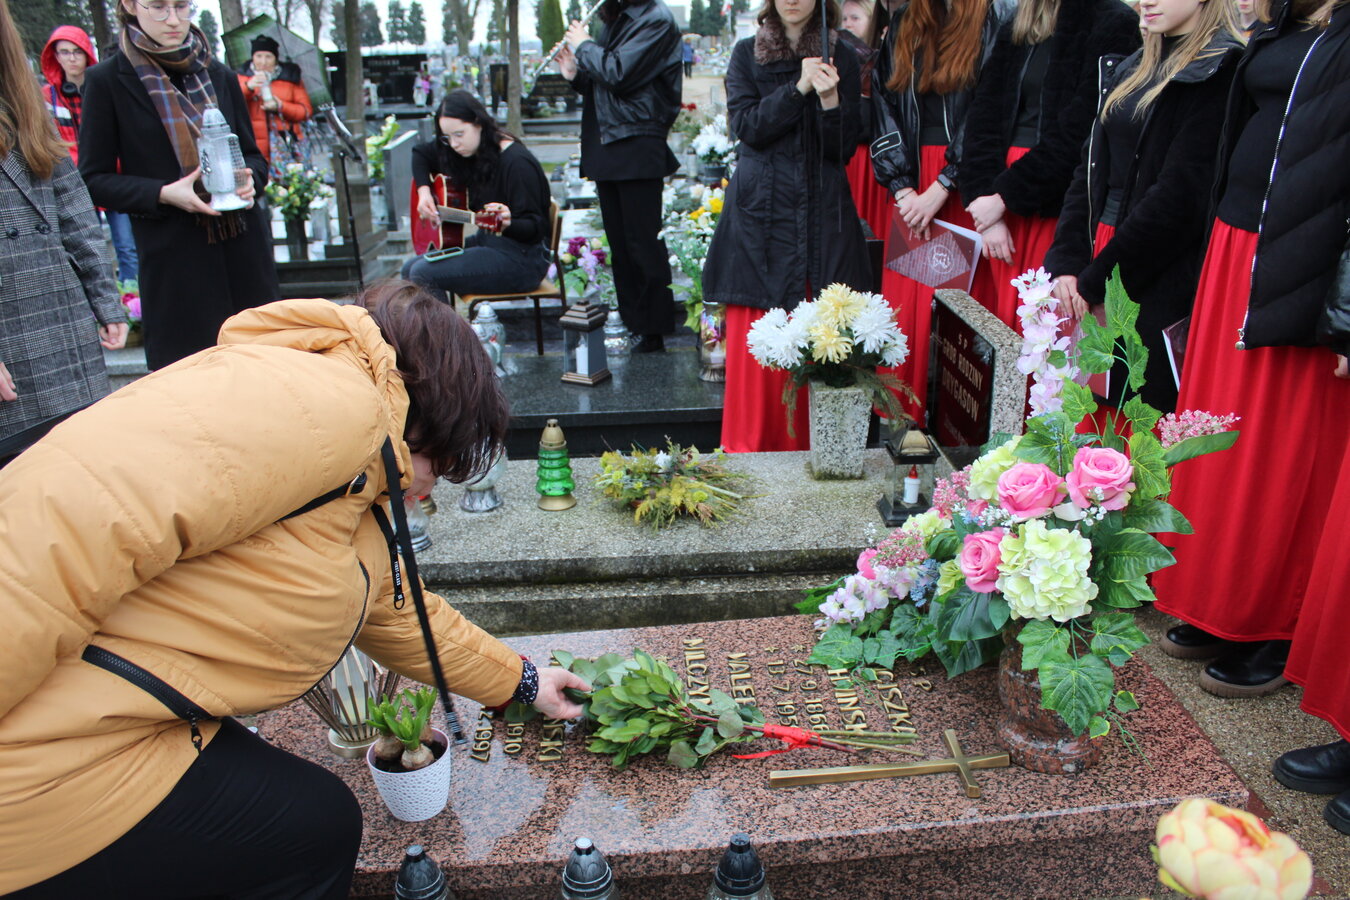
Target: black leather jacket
[895, 114]
[633, 72]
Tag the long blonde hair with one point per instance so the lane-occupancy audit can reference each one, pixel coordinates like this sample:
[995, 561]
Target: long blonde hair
[1154, 72]
[1035, 21]
[24, 119]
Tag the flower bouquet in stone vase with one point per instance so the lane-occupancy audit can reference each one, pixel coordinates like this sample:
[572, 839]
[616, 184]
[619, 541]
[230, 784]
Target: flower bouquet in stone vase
[1039, 551]
[587, 268]
[296, 193]
[688, 233]
[833, 345]
[409, 762]
[714, 147]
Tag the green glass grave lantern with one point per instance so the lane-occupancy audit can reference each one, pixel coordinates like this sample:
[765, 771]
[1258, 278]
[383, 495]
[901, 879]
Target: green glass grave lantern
[583, 328]
[911, 452]
[554, 470]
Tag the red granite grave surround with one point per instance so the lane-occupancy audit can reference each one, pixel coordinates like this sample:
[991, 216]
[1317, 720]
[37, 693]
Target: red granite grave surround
[511, 820]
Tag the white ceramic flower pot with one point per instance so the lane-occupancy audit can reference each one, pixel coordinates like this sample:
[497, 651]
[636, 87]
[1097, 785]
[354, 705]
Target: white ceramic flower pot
[414, 796]
[839, 418]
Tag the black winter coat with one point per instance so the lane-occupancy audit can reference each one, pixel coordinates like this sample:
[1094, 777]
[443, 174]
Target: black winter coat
[1307, 212]
[189, 287]
[1160, 239]
[895, 114]
[1085, 31]
[633, 72]
[788, 217]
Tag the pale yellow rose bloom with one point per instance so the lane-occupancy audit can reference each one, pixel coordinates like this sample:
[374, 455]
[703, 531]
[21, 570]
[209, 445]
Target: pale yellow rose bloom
[1210, 851]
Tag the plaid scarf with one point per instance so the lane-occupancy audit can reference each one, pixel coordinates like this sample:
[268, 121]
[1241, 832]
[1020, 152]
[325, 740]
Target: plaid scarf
[180, 111]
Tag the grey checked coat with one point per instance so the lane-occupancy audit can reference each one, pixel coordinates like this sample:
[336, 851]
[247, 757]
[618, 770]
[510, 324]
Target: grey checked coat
[56, 288]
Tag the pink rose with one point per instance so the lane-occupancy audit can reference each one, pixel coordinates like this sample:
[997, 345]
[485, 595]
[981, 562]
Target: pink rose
[1029, 490]
[1100, 475]
[865, 564]
[975, 507]
[979, 560]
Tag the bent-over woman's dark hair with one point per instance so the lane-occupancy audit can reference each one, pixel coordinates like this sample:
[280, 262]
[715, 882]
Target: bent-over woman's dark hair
[476, 169]
[457, 412]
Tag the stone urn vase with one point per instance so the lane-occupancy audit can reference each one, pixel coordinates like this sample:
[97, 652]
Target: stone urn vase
[712, 344]
[839, 418]
[1036, 738]
[297, 241]
[712, 174]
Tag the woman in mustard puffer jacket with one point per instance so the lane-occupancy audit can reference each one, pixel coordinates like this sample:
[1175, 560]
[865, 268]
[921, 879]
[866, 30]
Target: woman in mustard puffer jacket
[154, 528]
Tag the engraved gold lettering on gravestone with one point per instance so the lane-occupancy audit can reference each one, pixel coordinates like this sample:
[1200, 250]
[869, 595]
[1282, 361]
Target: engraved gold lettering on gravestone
[787, 713]
[923, 683]
[695, 667]
[551, 741]
[482, 738]
[742, 687]
[801, 667]
[770, 649]
[776, 666]
[846, 698]
[815, 713]
[515, 739]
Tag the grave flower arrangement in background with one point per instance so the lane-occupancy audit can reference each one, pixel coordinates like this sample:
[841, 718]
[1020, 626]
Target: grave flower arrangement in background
[662, 485]
[375, 145]
[1215, 852]
[712, 144]
[640, 705]
[1047, 539]
[687, 235]
[839, 339]
[689, 121]
[298, 191]
[586, 266]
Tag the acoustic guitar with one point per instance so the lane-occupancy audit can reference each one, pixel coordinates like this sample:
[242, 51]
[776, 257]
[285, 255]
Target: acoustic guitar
[452, 202]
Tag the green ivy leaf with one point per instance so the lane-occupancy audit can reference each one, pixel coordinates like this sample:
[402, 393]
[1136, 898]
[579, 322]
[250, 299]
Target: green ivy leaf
[1155, 516]
[1192, 447]
[912, 631]
[1042, 642]
[1078, 401]
[1142, 416]
[1150, 471]
[682, 755]
[1125, 702]
[1121, 312]
[1116, 637]
[1099, 727]
[1129, 554]
[838, 648]
[1049, 440]
[1136, 361]
[1077, 689]
[1126, 594]
[1096, 349]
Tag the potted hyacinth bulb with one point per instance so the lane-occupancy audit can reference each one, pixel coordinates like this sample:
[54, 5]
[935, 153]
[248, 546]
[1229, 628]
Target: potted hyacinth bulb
[410, 761]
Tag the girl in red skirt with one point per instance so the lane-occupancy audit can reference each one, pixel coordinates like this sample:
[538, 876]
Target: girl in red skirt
[1139, 198]
[788, 224]
[1032, 110]
[1273, 532]
[925, 78]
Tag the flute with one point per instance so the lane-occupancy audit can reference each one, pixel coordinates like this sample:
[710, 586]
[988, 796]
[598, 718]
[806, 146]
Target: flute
[557, 48]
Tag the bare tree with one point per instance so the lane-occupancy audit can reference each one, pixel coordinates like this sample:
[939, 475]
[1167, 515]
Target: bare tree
[317, 10]
[284, 11]
[231, 15]
[103, 33]
[513, 67]
[461, 14]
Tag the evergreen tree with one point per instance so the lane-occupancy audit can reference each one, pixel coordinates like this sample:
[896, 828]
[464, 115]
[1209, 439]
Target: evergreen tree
[339, 30]
[574, 11]
[713, 20]
[206, 21]
[371, 33]
[35, 20]
[496, 30]
[698, 15]
[548, 16]
[398, 28]
[416, 30]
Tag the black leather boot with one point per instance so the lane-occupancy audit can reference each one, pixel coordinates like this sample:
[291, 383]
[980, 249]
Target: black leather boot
[1337, 813]
[1254, 670]
[650, 343]
[1324, 769]
[1189, 642]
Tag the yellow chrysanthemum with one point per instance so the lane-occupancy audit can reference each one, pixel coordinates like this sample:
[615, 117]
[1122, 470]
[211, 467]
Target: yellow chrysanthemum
[698, 214]
[715, 204]
[839, 304]
[828, 345]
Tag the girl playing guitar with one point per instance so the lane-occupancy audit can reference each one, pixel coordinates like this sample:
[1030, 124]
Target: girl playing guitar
[500, 176]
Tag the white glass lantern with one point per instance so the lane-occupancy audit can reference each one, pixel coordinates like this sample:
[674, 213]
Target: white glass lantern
[220, 157]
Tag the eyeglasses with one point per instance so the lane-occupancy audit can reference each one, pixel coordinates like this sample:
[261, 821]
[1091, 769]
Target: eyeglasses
[159, 12]
[70, 54]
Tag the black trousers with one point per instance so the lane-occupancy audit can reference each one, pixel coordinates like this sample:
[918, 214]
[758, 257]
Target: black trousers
[632, 214]
[245, 821]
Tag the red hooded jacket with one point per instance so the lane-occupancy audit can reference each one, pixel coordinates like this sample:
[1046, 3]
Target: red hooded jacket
[64, 105]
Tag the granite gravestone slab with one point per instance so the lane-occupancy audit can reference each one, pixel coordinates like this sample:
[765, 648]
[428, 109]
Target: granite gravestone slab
[974, 388]
[521, 794]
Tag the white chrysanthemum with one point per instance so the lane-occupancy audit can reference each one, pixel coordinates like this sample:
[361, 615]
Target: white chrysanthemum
[874, 326]
[765, 336]
[896, 353]
[1044, 572]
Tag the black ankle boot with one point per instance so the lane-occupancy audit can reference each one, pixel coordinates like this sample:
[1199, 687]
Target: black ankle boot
[1324, 769]
[1253, 671]
[1189, 642]
[1337, 813]
[650, 343]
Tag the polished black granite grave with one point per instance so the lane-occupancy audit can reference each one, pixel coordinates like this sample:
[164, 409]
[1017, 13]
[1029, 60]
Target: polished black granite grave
[650, 397]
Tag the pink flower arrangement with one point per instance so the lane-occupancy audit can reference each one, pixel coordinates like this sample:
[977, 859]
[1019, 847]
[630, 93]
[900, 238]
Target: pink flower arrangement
[1029, 490]
[1100, 475]
[1174, 428]
[132, 303]
[979, 559]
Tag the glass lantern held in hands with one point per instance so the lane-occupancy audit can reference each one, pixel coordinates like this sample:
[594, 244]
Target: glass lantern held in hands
[221, 160]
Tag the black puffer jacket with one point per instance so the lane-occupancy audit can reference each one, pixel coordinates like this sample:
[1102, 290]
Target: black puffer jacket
[788, 216]
[1307, 210]
[1159, 243]
[1333, 329]
[895, 114]
[1085, 31]
[633, 72]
